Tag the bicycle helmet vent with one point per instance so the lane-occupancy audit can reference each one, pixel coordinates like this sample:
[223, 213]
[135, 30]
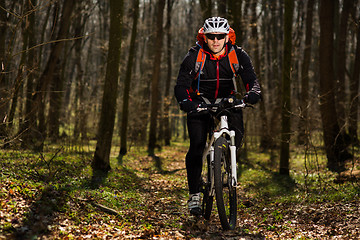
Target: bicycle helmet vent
[216, 24]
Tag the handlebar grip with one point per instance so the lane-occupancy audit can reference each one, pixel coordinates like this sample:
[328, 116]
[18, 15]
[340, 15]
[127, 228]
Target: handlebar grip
[200, 108]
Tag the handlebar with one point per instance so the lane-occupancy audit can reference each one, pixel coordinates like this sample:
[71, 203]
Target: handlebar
[224, 105]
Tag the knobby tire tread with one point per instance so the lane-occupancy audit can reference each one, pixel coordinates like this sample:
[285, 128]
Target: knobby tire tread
[207, 200]
[222, 149]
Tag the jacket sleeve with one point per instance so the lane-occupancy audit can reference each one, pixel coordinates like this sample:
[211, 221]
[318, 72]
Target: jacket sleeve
[248, 76]
[185, 77]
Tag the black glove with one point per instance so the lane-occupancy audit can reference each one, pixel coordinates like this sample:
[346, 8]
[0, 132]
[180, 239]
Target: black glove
[251, 98]
[187, 105]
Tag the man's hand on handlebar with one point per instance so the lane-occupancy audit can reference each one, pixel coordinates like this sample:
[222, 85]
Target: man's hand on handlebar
[187, 105]
[202, 108]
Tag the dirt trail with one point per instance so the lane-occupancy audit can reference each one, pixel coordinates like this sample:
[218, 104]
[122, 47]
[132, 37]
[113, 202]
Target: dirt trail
[138, 201]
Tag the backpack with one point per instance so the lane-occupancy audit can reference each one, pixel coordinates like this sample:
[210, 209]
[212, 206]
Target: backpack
[201, 56]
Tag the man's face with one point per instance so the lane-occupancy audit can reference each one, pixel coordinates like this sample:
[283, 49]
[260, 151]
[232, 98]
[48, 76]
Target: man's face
[216, 41]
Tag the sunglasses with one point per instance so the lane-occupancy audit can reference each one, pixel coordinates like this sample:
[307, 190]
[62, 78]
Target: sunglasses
[213, 36]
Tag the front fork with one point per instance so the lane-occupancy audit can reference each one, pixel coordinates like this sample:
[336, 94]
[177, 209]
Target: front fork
[233, 159]
[211, 169]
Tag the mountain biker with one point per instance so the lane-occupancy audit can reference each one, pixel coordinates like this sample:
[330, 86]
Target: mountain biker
[213, 80]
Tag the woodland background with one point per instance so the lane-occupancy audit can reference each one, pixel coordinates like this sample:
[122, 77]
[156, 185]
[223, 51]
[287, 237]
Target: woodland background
[86, 87]
[89, 70]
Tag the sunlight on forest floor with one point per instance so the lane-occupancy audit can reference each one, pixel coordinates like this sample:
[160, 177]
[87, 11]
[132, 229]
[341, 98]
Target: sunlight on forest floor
[53, 195]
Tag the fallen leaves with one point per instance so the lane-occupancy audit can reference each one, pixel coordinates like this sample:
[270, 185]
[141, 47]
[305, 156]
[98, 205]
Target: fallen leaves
[137, 201]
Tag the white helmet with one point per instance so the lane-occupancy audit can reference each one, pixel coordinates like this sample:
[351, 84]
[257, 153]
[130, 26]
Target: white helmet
[216, 24]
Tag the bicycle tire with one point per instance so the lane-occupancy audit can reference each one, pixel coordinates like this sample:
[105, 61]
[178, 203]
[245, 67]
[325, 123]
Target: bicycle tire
[225, 194]
[207, 203]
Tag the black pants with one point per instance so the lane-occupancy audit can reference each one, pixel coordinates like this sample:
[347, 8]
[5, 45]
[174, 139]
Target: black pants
[198, 128]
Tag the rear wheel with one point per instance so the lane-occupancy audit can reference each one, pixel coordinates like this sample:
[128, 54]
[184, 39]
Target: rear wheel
[225, 192]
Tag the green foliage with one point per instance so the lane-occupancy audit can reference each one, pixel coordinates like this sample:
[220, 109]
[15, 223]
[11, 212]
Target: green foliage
[56, 194]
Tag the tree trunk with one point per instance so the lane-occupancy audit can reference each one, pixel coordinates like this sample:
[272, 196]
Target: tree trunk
[222, 8]
[334, 144]
[286, 89]
[3, 28]
[80, 82]
[304, 100]
[167, 97]
[235, 18]
[354, 92]
[206, 8]
[3, 83]
[130, 63]
[155, 80]
[101, 160]
[18, 86]
[55, 97]
[340, 59]
[31, 62]
[265, 137]
[275, 82]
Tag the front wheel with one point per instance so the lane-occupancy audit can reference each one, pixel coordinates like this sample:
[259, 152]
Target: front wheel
[207, 203]
[225, 192]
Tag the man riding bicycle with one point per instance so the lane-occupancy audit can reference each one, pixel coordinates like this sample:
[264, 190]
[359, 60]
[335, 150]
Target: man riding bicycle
[206, 74]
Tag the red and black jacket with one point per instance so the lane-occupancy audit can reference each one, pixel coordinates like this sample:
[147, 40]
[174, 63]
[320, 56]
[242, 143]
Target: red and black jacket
[216, 77]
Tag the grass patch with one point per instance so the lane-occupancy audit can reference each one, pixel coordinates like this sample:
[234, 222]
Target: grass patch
[56, 194]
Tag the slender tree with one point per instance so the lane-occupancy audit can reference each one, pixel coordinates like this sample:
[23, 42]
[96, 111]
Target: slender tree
[130, 63]
[101, 160]
[206, 8]
[155, 79]
[304, 98]
[80, 90]
[31, 66]
[334, 143]
[3, 28]
[235, 17]
[167, 97]
[222, 8]
[286, 89]
[265, 137]
[274, 85]
[3, 84]
[18, 86]
[341, 64]
[354, 92]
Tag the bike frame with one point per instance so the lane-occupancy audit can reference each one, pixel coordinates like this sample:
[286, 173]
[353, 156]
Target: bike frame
[220, 166]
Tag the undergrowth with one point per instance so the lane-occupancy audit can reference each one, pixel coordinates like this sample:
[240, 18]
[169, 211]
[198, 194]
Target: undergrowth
[56, 194]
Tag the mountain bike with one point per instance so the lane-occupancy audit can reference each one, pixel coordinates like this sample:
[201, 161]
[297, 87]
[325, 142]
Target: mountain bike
[219, 175]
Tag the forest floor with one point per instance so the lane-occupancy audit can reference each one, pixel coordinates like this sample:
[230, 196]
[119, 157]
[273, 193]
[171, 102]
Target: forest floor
[55, 196]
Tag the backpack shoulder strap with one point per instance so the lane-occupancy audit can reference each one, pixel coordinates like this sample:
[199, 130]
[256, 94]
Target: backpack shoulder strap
[200, 62]
[199, 65]
[234, 62]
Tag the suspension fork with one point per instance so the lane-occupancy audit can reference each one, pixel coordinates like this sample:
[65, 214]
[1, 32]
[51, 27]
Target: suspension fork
[211, 170]
[233, 159]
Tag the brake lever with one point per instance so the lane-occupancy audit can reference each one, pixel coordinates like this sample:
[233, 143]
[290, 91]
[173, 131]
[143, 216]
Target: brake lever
[241, 105]
[200, 109]
[244, 105]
